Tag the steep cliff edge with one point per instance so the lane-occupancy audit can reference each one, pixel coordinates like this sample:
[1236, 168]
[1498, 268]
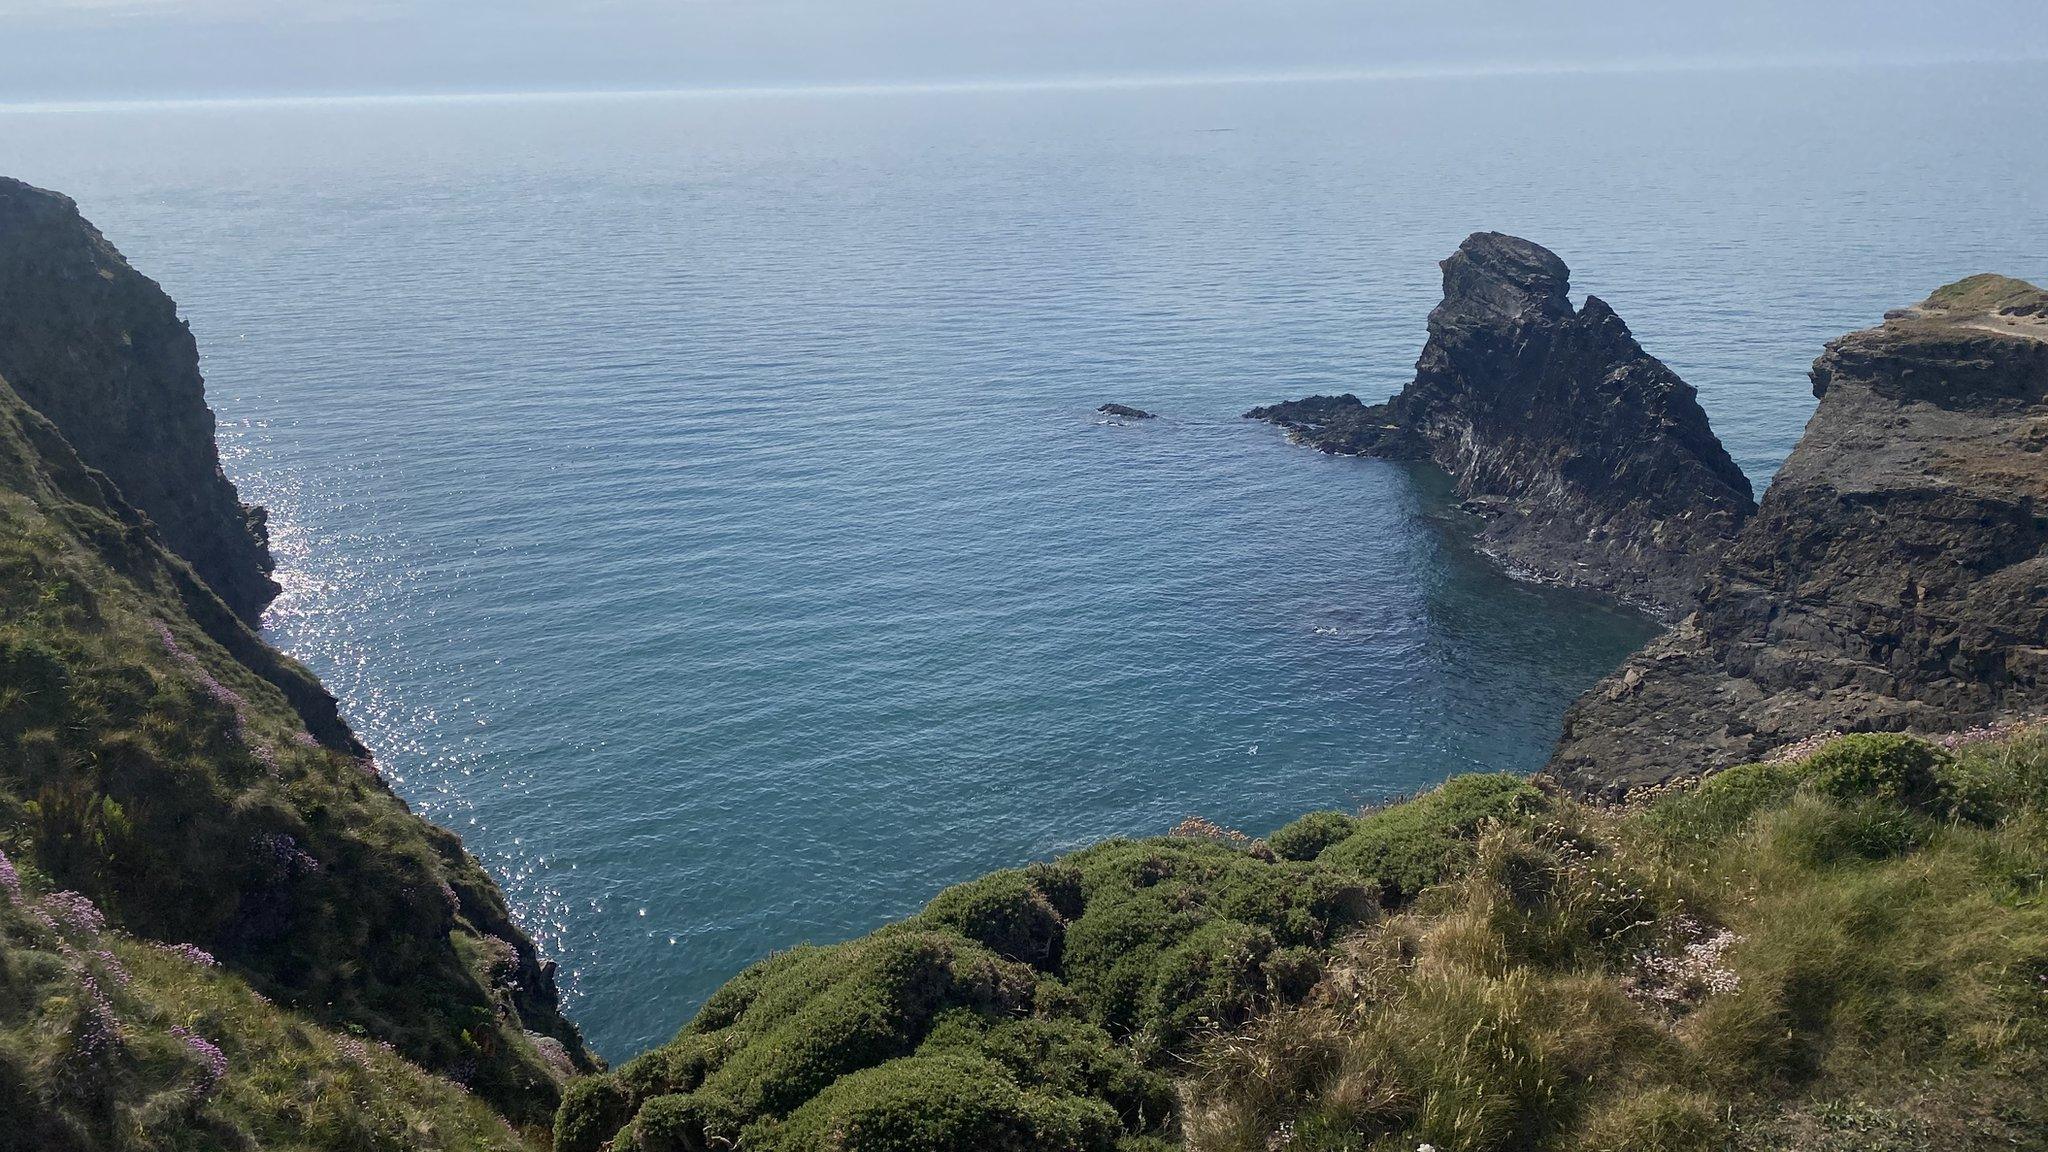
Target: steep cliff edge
[1896, 575]
[1592, 461]
[99, 350]
[163, 768]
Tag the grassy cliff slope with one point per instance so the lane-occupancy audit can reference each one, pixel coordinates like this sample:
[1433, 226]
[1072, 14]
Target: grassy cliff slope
[195, 787]
[1846, 950]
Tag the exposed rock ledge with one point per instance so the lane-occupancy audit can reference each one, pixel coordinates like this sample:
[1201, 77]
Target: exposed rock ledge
[1126, 411]
[98, 349]
[1592, 461]
[1896, 575]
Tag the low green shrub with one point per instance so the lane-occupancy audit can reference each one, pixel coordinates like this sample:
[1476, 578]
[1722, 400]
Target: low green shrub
[944, 1101]
[1410, 846]
[1882, 766]
[1213, 978]
[1070, 1056]
[1725, 802]
[1306, 837]
[1007, 913]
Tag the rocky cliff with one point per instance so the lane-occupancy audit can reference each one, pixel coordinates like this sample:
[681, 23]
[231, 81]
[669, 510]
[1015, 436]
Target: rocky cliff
[167, 776]
[99, 350]
[1896, 575]
[1591, 461]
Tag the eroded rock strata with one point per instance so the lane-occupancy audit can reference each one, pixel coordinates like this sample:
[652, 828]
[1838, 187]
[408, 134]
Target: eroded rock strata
[1591, 461]
[1896, 575]
[99, 350]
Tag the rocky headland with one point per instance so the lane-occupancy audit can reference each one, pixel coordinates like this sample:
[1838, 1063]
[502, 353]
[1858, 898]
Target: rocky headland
[100, 351]
[219, 928]
[1591, 462]
[1895, 577]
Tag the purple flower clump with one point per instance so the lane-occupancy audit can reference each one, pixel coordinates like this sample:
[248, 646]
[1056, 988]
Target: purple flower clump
[73, 910]
[227, 696]
[193, 953]
[286, 857]
[97, 1031]
[211, 1058]
[113, 967]
[10, 880]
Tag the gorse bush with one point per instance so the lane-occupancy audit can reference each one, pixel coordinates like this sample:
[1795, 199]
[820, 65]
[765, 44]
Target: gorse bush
[1410, 846]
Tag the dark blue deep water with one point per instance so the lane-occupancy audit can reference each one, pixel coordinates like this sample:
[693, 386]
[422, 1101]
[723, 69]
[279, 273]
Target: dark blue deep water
[697, 501]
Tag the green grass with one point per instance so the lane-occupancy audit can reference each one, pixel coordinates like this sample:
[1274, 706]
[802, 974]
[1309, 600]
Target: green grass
[1048, 1007]
[157, 757]
[1850, 951]
[1986, 292]
[283, 1082]
[1831, 954]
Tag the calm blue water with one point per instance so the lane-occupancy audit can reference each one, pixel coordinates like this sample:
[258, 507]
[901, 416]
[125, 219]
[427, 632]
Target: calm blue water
[698, 504]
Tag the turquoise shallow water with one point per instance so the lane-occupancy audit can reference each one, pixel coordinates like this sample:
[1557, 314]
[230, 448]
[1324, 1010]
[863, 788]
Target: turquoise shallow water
[697, 501]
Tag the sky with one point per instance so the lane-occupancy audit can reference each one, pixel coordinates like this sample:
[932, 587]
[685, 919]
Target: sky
[61, 50]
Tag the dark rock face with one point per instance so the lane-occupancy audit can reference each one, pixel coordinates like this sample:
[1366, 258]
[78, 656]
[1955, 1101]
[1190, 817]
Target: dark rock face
[1125, 411]
[1895, 577]
[1592, 461]
[99, 350]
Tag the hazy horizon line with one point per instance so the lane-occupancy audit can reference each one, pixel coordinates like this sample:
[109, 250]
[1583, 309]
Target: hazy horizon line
[1441, 71]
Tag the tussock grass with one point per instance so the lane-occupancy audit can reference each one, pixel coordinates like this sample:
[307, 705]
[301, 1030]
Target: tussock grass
[1845, 952]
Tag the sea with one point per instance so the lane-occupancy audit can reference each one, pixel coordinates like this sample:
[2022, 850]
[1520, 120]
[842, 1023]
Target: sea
[698, 502]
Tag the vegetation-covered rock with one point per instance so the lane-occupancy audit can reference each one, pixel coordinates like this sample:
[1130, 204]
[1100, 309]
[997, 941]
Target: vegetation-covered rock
[185, 792]
[1711, 970]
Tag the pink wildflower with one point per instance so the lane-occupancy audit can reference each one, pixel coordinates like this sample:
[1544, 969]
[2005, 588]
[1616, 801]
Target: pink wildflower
[213, 1061]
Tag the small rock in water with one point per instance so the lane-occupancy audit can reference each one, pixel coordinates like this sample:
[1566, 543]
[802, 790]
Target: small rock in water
[1125, 411]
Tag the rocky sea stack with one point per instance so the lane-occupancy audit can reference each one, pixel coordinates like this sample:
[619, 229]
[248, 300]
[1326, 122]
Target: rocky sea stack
[1592, 461]
[99, 350]
[1896, 575]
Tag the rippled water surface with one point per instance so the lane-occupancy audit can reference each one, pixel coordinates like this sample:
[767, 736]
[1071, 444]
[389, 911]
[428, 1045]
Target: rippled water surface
[698, 504]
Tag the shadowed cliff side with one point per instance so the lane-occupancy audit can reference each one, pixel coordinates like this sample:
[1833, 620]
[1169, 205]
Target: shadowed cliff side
[1592, 462]
[1896, 575]
[150, 760]
[99, 350]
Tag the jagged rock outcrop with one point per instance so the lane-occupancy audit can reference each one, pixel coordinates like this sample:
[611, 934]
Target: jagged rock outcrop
[1126, 411]
[99, 350]
[1896, 575]
[1591, 461]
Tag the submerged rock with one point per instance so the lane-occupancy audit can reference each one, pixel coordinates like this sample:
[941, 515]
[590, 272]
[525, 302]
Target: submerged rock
[1895, 576]
[1126, 411]
[1591, 461]
[98, 349]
